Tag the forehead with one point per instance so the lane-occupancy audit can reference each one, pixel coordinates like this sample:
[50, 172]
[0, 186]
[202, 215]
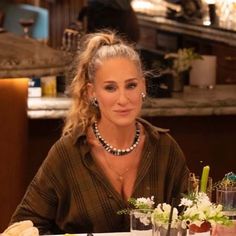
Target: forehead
[117, 68]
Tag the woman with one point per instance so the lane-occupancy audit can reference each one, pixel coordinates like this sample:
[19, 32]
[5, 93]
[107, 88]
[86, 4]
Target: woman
[106, 153]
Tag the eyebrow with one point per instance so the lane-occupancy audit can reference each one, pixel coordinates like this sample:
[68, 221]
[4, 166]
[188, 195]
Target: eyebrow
[126, 81]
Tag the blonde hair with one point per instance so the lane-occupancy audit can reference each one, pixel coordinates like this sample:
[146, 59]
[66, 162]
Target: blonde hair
[95, 48]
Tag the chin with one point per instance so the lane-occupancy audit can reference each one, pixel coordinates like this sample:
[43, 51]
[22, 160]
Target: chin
[121, 119]
[124, 121]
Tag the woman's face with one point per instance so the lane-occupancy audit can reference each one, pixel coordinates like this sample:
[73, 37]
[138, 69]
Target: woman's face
[118, 87]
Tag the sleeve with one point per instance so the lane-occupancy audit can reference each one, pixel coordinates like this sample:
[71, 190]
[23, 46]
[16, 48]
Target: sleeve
[39, 203]
[178, 172]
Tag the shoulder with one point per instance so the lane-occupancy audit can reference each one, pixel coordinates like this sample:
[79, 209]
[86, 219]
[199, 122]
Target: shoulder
[64, 142]
[160, 137]
[156, 132]
[65, 149]
[151, 129]
[71, 139]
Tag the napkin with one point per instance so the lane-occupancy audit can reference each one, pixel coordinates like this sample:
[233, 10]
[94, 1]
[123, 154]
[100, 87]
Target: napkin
[22, 228]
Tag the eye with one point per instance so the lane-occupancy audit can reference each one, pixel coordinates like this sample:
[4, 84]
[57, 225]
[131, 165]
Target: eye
[110, 88]
[131, 85]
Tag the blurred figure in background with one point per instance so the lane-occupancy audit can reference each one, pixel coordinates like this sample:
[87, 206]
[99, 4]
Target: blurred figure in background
[111, 14]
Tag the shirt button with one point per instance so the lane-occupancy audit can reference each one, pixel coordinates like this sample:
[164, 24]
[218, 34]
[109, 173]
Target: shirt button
[110, 196]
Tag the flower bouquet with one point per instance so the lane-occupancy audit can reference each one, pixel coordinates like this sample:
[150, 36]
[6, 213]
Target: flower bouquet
[198, 214]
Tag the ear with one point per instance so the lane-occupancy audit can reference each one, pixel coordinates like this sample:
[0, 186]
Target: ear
[91, 92]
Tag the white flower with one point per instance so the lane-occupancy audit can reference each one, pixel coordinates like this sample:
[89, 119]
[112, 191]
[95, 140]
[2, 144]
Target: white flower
[144, 217]
[161, 215]
[143, 209]
[145, 202]
[186, 202]
[197, 209]
[201, 210]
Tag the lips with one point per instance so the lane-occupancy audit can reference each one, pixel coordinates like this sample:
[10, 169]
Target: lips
[123, 112]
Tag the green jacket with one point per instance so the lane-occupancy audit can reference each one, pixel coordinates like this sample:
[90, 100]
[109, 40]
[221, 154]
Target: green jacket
[69, 194]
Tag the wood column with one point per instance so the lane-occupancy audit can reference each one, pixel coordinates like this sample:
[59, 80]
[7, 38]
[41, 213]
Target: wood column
[13, 145]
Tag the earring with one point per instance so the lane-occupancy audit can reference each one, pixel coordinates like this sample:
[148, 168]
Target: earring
[143, 96]
[94, 102]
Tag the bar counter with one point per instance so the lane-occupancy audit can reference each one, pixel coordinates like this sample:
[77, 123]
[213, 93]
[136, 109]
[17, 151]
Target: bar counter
[199, 30]
[192, 102]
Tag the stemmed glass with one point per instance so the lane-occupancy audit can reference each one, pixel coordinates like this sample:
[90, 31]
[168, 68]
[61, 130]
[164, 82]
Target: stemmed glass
[26, 24]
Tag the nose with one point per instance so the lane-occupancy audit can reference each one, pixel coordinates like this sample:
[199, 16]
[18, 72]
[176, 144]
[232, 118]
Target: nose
[122, 98]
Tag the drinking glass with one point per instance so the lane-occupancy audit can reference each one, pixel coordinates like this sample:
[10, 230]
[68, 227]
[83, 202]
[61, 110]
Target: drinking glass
[162, 231]
[141, 222]
[227, 198]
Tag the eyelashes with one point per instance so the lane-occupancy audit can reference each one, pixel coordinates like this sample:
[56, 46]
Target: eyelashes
[131, 85]
[113, 87]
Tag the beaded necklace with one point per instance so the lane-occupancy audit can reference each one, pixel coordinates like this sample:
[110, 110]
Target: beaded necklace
[116, 151]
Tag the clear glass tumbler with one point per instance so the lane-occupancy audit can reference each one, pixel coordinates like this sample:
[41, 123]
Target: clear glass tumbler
[141, 222]
[227, 198]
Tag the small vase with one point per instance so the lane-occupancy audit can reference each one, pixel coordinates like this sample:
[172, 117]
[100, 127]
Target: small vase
[203, 230]
[140, 222]
[178, 83]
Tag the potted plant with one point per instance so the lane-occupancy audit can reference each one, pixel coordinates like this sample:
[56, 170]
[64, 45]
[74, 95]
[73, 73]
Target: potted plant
[180, 63]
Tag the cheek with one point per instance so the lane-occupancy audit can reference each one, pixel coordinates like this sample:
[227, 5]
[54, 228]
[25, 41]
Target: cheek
[135, 97]
[107, 99]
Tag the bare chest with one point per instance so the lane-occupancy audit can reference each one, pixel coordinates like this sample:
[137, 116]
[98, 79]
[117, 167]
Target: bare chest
[120, 171]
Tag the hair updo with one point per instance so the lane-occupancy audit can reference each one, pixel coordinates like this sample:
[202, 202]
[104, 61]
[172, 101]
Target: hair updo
[94, 49]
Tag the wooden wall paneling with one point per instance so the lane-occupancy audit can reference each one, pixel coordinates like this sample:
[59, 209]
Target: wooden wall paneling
[43, 133]
[62, 13]
[205, 140]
